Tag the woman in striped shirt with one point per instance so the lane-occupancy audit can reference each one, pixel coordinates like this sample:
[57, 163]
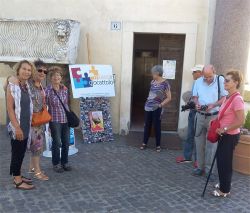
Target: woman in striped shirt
[159, 96]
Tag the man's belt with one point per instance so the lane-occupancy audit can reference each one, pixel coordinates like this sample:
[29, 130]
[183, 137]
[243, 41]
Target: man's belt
[208, 114]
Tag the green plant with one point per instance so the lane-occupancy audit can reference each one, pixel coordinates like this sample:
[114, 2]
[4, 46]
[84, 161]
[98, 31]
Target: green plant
[247, 121]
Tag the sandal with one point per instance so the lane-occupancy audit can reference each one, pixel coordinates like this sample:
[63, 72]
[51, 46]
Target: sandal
[41, 176]
[158, 149]
[218, 193]
[26, 180]
[31, 171]
[217, 186]
[19, 186]
[144, 146]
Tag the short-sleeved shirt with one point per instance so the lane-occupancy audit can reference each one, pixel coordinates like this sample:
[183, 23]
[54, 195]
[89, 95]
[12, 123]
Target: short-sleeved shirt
[156, 95]
[229, 115]
[208, 93]
[55, 107]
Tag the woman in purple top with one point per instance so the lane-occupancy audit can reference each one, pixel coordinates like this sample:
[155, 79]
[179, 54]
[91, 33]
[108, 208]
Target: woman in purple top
[159, 96]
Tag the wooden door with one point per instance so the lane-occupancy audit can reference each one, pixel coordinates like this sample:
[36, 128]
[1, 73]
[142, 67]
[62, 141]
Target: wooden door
[171, 47]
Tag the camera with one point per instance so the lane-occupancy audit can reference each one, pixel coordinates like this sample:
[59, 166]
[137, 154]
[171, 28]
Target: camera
[189, 105]
[203, 107]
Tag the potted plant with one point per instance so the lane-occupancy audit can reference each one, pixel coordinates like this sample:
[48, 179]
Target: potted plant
[241, 162]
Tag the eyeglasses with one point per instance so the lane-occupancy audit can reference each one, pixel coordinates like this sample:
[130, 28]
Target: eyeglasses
[43, 70]
[208, 78]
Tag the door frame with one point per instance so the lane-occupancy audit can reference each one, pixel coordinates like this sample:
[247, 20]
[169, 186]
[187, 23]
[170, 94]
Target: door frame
[129, 28]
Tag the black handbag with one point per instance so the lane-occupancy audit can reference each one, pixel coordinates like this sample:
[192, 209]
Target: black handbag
[73, 120]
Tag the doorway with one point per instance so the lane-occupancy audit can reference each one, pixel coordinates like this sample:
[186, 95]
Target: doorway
[149, 50]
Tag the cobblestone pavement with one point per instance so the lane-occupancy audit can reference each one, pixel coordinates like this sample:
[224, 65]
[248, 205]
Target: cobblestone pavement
[116, 177]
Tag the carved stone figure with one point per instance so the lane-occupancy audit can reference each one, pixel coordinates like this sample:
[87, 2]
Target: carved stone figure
[61, 53]
[62, 30]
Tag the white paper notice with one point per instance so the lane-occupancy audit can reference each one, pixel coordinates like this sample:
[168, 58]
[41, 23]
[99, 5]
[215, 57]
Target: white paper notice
[169, 69]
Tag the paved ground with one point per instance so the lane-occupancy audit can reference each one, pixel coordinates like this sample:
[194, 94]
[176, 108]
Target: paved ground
[118, 177]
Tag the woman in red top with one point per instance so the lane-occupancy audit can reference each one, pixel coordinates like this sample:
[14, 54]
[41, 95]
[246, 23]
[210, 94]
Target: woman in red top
[230, 123]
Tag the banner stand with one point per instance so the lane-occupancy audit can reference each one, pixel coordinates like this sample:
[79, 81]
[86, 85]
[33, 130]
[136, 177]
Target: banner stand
[72, 148]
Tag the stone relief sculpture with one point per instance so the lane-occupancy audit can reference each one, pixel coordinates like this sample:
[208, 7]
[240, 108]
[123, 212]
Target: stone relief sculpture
[54, 41]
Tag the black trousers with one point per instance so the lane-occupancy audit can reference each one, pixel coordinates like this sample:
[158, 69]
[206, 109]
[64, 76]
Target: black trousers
[18, 149]
[153, 117]
[225, 160]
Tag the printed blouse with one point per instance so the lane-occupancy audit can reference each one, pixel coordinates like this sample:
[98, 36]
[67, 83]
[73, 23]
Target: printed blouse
[156, 95]
[37, 95]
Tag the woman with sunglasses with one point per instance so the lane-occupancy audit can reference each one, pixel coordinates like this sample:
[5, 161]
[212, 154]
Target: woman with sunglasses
[230, 123]
[37, 132]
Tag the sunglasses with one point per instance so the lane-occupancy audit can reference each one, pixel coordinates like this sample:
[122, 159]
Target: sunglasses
[43, 70]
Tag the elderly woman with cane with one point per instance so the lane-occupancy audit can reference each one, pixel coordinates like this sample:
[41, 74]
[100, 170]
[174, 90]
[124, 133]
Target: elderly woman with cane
[229, 131]
[159, 96]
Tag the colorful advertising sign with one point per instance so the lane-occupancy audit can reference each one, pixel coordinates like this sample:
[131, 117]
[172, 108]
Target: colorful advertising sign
[90, 80]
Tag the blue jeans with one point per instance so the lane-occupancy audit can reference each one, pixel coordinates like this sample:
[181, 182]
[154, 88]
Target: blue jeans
[60, 138]
[153, 117]
[189, 146]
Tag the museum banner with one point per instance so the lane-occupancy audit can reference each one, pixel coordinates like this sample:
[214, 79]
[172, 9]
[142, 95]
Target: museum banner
[90, 80]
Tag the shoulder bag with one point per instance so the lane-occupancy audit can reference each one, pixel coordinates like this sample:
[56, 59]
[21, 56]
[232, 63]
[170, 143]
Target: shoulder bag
[42, 117]
[73, 120]
[212, 135]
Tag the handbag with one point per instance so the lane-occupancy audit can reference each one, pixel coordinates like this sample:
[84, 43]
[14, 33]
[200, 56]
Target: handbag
[42, 117]
[73, 120]
[212, 135]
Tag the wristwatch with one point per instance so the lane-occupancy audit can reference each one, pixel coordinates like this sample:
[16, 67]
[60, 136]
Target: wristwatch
[225, 129]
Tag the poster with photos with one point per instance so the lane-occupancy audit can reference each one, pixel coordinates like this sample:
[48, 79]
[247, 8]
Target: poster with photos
[98, 107]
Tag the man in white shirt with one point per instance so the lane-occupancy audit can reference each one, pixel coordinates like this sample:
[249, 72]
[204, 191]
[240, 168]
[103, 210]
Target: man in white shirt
[206, 93]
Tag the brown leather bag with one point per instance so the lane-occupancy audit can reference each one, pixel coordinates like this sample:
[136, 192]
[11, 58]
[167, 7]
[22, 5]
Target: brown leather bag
[42, 117]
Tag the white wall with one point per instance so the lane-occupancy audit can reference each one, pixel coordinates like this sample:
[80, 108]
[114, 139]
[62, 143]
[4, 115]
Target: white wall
[95, 17]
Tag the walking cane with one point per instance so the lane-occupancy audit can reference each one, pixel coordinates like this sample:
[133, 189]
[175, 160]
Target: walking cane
[210, 172]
